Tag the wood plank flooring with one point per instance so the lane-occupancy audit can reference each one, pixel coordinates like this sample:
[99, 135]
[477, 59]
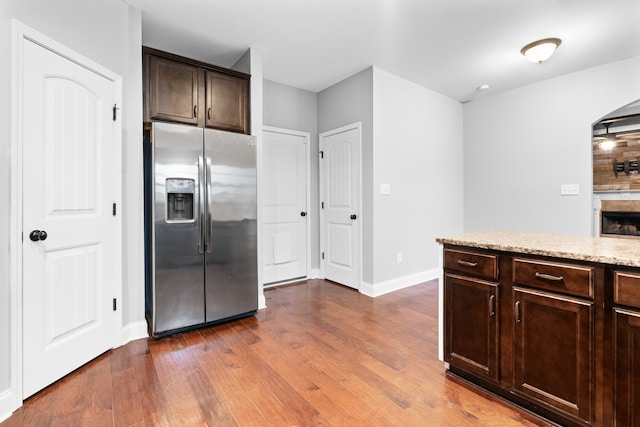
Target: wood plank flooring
[319, 355]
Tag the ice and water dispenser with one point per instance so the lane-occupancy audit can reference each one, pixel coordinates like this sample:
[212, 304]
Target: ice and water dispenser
[180, 195]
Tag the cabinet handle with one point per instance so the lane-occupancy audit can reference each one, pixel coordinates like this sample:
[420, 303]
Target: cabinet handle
[492, 305]
[195, 111]
[516, 312]
[467, 263]
[549, 277]
[209, 113]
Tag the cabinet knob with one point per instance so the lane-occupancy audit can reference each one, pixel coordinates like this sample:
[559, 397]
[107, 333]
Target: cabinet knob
[303, 213]
[353, 216]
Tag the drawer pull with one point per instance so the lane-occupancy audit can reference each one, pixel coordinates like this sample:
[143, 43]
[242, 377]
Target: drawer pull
[549, 277]
[467, 263]
[516, 312]
[492, 305]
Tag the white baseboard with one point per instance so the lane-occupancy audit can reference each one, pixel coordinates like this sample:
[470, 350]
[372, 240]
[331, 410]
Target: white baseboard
[377, 289]
[262, 301]
[314, 273]
[8, 404]
[134, 331]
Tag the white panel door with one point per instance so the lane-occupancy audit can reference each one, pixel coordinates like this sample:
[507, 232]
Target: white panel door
[68, 172]
[340, 203]
[285, 212]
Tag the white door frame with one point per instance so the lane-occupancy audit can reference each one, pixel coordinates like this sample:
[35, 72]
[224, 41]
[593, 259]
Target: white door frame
[310, 215]
[356, 125]
[20, 34]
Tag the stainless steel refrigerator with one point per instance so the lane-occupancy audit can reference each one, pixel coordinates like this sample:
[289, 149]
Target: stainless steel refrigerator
[200, 225]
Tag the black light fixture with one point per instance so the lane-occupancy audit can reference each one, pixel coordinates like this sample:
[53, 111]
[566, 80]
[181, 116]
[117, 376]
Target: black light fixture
[609, 141]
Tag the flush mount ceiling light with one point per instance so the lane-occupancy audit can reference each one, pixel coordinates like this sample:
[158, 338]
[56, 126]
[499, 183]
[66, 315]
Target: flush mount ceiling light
[539, 51]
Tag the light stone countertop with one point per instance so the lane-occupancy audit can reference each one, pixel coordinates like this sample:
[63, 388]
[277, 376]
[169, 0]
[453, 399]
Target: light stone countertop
[606, 250]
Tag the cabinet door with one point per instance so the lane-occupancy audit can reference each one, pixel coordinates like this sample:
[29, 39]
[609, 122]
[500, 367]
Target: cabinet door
[554, 351]
[626, 368]
[472, 325]
[226, 102]
[172, 91]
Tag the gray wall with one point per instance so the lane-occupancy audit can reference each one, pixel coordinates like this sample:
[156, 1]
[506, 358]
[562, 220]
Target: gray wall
[107, 32]
[296, 109]
[519, 146]
[417, 149]
[344, 103]
[412, 140]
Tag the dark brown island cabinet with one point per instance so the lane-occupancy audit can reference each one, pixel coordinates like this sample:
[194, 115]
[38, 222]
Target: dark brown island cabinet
[183, 90]
[556, 332]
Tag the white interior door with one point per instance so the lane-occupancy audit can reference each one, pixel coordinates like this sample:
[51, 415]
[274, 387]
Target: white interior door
[69, 183]
[340, 205]
[285, 205]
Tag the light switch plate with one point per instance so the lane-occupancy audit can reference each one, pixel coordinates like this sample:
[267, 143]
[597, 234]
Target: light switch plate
[569, 189]
[385, 188]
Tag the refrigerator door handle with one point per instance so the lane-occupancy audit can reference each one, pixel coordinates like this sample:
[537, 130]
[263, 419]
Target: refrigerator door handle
[209, 214]
[201, 205]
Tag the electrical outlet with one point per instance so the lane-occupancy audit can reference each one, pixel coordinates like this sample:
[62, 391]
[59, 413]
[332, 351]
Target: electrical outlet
[399, 257]
[569, 189]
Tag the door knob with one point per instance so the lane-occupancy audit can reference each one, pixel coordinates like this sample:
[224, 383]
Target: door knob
[303, 214]
[353, 216]
[36, 235]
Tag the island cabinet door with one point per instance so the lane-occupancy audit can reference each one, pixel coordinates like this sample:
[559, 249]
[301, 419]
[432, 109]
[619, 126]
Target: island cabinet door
[554, 352]
[626, 367]
[471, 318]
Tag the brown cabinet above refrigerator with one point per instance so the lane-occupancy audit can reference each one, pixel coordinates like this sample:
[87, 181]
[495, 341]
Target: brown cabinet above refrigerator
[182, 90]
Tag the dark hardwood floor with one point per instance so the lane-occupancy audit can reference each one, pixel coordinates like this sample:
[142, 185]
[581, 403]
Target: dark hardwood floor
[319, 355]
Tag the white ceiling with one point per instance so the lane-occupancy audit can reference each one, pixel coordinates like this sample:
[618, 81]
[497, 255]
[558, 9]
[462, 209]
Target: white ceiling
[450, 46]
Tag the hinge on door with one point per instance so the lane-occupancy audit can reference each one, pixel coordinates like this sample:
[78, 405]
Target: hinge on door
[115, 306]
[114, 208]
[322, 205]
[115, 111]
[322, 255]
[322, 154]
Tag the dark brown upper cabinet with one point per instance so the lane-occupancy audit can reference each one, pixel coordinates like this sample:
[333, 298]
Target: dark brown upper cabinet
[182, 90]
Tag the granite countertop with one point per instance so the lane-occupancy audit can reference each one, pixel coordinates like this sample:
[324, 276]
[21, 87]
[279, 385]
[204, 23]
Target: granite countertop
[606, 250]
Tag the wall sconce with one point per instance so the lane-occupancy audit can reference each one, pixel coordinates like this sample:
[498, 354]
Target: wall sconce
[541, 50]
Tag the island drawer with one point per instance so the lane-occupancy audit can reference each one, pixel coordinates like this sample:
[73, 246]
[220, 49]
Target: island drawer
[626, 288]
[557, 277]
[472, 263]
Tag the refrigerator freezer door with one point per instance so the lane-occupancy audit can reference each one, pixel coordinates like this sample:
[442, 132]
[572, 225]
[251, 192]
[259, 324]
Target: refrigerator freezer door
[231, 258]
[178, 265]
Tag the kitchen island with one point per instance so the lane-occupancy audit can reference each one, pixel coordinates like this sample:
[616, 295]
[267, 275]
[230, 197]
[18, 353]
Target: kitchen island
[549, 322]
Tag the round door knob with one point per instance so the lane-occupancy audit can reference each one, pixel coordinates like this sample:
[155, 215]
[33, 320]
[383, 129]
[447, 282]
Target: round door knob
[353, 216]
[35, 235]
[43, 235]
[303, 214]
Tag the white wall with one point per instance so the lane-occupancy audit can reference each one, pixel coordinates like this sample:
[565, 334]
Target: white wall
[107, 32]
[252, 63]
[346, 102]
[417, 149]
[519, 146]
[296, 109]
